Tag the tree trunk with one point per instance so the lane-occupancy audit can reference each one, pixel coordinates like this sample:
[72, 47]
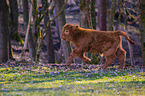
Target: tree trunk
[4, 31]
[50, 48]
[85, 14]
[25, 12]
[35, 29]
[142, 28]
[31, 44]
[111, 15]
[61, 21]
[11, 55]
[102, 14]
[14, 21]
[126, 30]
[93, 13]
[26, 36]
[129, 45]
[118, 20]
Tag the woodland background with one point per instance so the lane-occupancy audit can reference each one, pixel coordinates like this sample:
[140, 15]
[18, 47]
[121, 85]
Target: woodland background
[30, 29]
[32, 55]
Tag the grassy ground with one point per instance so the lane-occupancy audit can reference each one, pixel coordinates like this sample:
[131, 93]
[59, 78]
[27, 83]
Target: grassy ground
[43, 80]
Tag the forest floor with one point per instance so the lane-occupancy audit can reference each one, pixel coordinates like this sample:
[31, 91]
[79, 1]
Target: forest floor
[57, 80]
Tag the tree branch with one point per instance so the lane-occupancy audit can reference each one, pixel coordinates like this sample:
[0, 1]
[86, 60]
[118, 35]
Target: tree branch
[27, 34]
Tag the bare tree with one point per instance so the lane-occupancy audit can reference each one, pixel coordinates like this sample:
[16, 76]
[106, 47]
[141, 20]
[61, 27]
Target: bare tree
[142, 28]
[50, 48]
[36, 27]
[126, 30]
[27, 35]
[111, 15]
[93, 13]
[60, 23]
[86, 16]
[31, 43]
[102, 14]
[118, 20]
[4, 31]
[14, 21]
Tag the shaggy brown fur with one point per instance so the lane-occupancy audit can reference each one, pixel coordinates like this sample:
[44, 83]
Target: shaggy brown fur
[88, 40]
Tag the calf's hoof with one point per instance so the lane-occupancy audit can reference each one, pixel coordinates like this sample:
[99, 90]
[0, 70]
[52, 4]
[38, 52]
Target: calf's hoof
[68, 64]
[87, 61]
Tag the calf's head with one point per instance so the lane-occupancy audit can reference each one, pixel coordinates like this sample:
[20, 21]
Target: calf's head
[67, 32]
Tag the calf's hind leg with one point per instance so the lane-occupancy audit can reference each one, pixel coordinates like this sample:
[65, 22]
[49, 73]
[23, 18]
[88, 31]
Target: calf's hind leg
[121, 55]
[110, 57]
[109, 60]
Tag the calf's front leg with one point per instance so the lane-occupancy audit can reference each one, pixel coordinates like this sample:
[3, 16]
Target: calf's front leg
[76, 53]
[73, 54]
[84, 58]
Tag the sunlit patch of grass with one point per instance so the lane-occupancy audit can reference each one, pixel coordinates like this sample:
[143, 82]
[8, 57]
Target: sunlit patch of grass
[44, 81]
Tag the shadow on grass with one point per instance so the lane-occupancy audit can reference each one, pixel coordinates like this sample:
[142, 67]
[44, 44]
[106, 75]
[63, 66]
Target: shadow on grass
[30, 89]
[69, 76]
[84, 80]
[120, 85]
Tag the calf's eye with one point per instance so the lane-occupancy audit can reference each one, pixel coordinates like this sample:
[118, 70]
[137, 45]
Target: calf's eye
[67, 32]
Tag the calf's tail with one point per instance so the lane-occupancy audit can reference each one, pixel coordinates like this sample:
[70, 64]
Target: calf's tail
[126, 36]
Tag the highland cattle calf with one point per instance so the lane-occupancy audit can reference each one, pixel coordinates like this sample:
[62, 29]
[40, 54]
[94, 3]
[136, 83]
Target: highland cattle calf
[88, 40]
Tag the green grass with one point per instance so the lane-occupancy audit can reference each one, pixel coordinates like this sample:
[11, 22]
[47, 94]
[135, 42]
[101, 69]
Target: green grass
[42, 81]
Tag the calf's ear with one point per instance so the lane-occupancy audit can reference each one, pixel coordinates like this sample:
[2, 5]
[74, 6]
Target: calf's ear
[75, 27]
